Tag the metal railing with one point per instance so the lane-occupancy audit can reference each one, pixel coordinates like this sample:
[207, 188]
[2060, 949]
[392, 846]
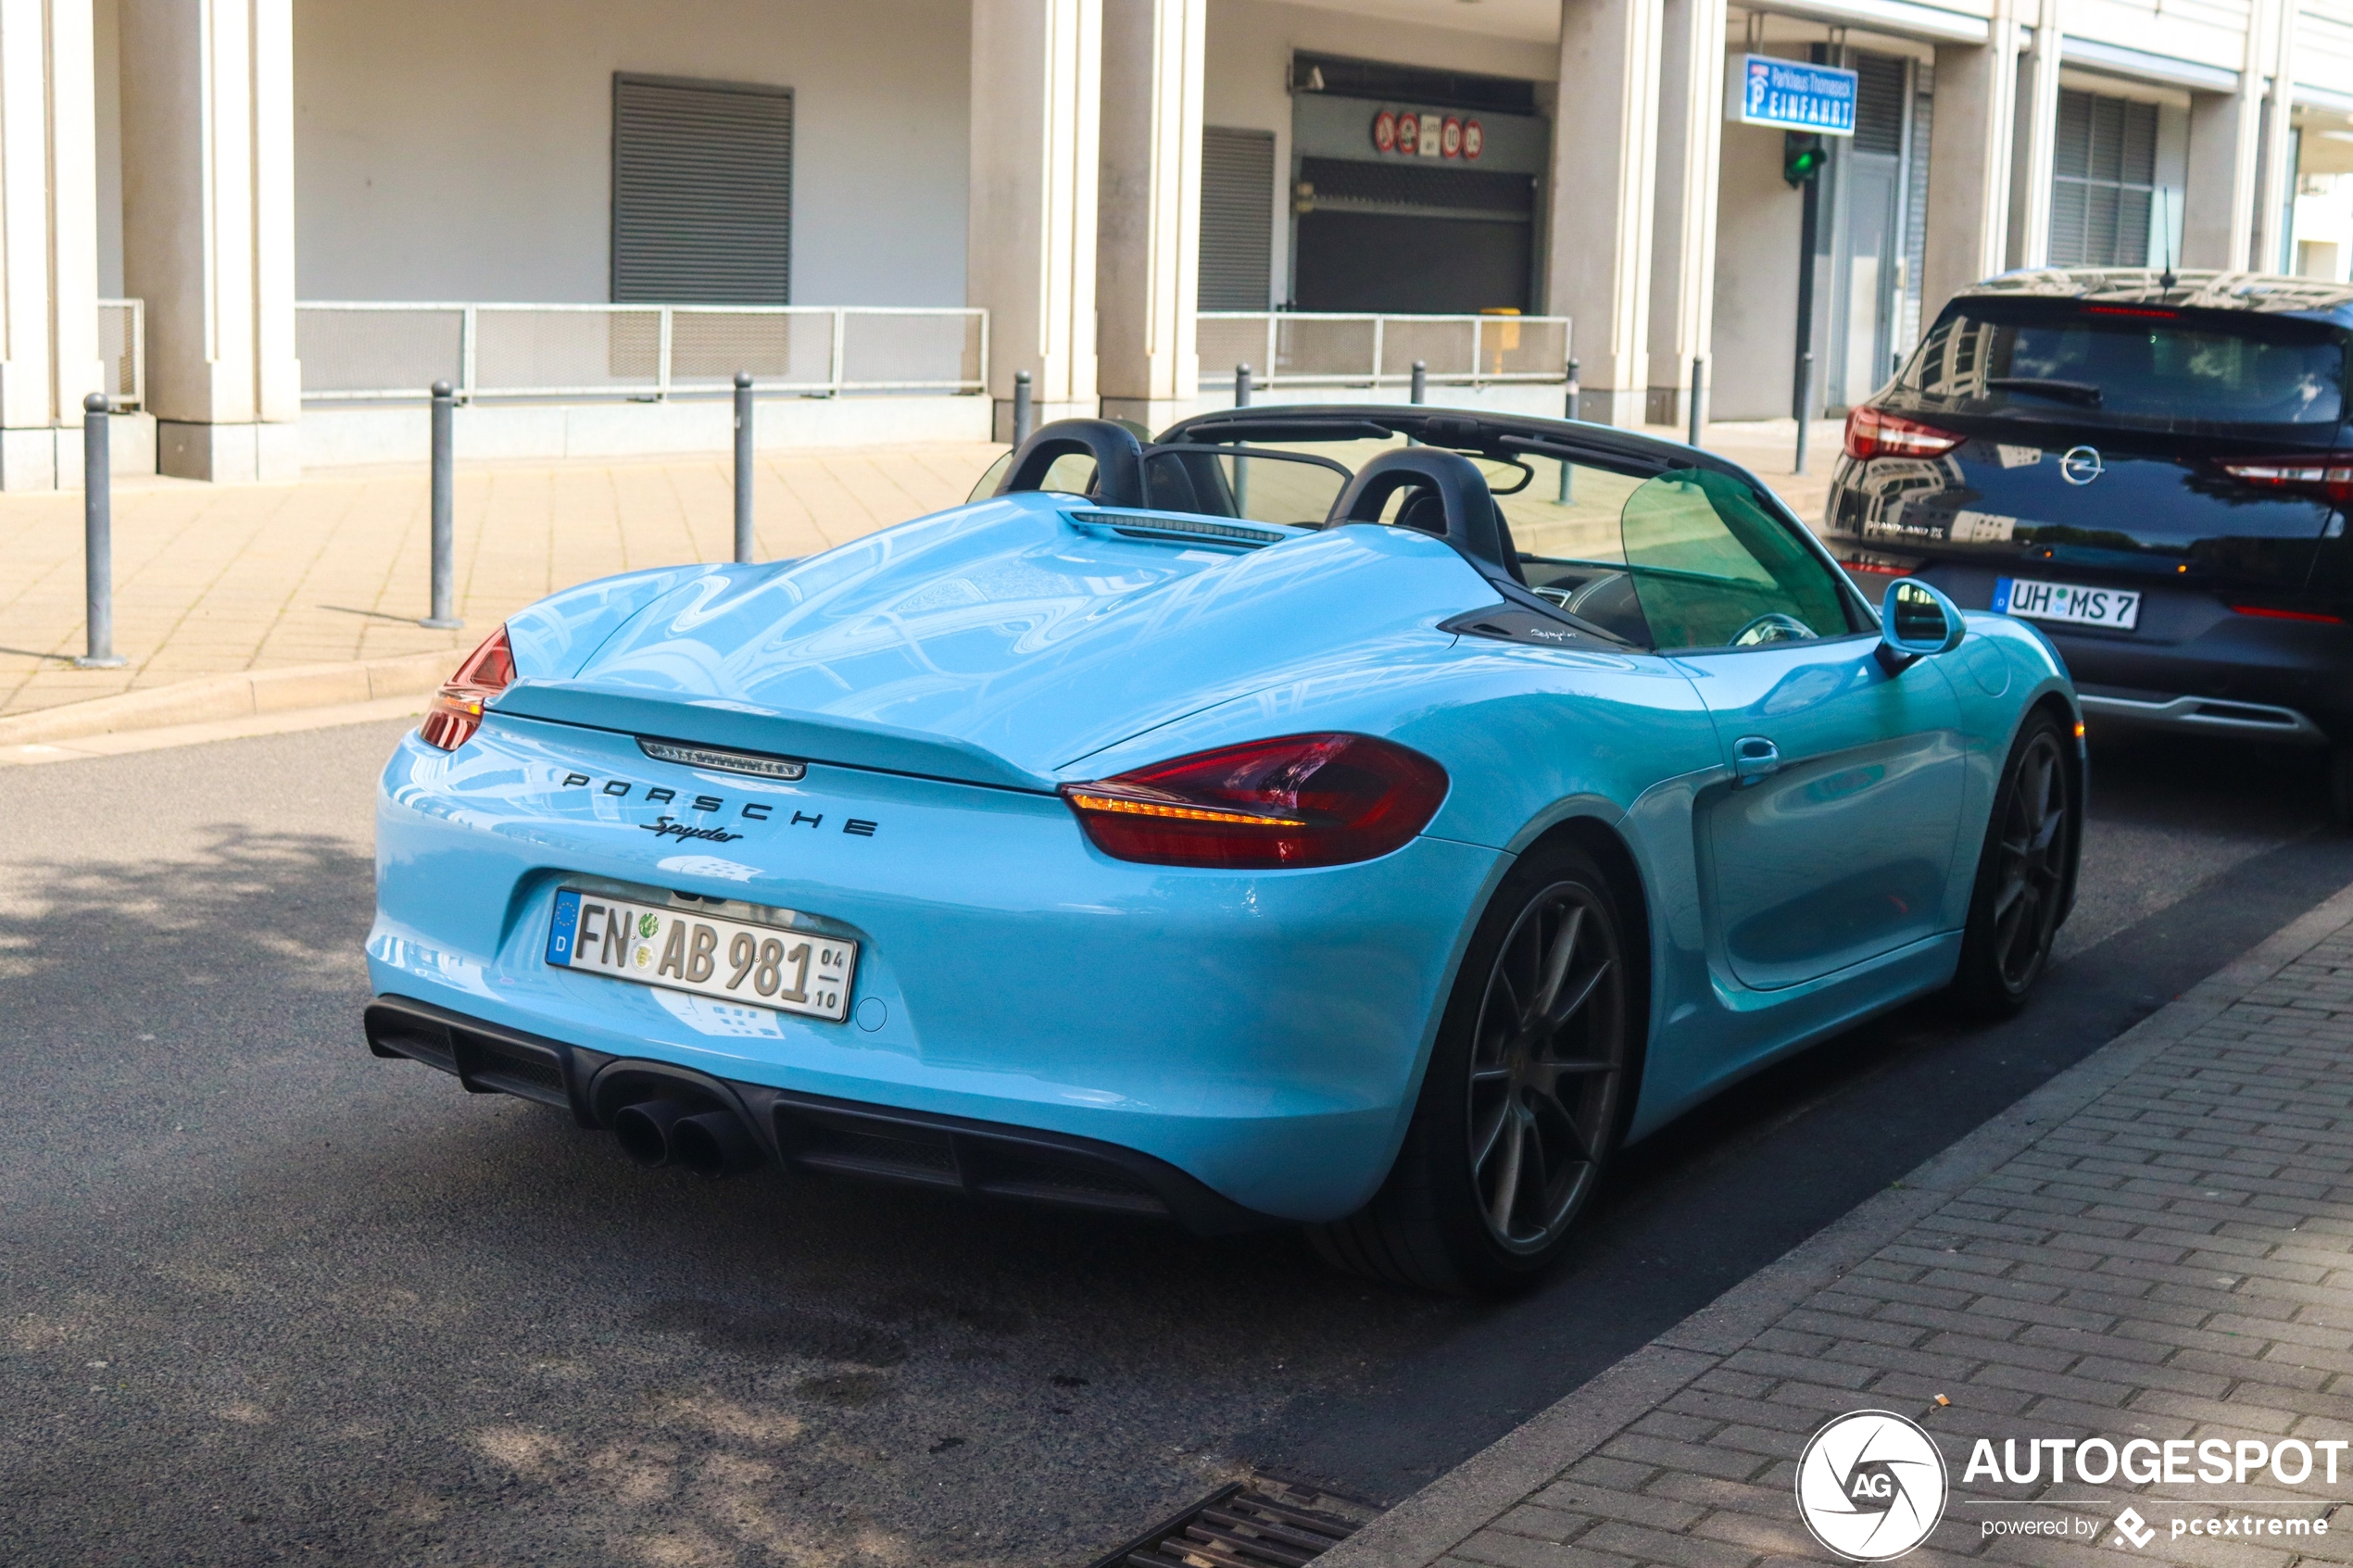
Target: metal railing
[360, 350]
[122, 349]
[1297, 348]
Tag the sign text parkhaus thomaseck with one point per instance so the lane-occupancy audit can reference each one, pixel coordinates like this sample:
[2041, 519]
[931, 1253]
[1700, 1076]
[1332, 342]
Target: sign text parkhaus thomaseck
[1790, 95]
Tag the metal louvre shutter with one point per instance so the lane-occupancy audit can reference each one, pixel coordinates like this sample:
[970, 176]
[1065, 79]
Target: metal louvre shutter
[1879, 104]
[2104, 170]
[1236, 218]
[702, 192]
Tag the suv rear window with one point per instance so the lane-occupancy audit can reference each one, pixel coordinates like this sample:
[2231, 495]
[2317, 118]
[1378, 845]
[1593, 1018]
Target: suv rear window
[2093, 363]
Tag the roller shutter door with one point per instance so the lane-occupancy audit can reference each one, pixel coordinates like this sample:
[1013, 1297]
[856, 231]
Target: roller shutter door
[1236, 218]
[702, 192]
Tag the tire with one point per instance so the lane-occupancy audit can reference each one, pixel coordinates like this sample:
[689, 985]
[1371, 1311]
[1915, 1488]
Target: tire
[2340, 783]
[2022, 874]
[1504, 1147]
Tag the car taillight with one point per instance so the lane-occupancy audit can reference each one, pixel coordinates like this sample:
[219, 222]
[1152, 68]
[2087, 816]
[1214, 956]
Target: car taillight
[2326, 474]
[455, 712]
[1296, 801]
[1871, 432]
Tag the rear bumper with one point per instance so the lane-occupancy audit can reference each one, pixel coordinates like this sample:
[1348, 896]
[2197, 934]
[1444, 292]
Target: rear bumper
[2196, 665]
[811, 1132]
[1262, 1033]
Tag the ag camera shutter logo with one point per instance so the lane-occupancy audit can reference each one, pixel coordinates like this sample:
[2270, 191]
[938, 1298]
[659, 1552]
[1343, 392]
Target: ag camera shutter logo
[1870, 1486]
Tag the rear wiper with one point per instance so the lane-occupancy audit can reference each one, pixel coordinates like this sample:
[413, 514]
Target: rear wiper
[2080, 392]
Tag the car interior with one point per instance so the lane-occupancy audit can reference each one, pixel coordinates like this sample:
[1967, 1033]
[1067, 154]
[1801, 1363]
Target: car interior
[1642, 554]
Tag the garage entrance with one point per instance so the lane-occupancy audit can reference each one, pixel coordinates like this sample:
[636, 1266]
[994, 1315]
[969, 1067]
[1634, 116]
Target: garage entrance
[1414, 192]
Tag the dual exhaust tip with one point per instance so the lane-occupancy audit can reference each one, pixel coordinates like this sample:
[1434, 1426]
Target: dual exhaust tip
[671, 1131]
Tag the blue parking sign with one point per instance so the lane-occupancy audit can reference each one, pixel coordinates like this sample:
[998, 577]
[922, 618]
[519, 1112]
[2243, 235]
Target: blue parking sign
[1793, 96]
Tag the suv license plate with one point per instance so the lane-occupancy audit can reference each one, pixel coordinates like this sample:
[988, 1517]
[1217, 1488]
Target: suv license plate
[2118, 608]
[733, 961]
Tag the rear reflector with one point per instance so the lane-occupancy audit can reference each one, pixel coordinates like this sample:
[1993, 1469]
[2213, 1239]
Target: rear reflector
[1293, 801]
[1871, 432]
[455, 712]
[2326, 474]
[2267, 613]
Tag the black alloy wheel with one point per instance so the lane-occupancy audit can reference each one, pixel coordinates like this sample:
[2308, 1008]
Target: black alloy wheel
[1524, 1099]
[2022, 876]
[1547, 1057]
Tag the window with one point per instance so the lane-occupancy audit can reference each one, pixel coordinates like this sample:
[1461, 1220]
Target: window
[2104, 174]
[2095, 364]
[702, 192]
[1236, 218]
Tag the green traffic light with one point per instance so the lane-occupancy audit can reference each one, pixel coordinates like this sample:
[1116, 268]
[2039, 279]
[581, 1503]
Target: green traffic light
[1803, 156]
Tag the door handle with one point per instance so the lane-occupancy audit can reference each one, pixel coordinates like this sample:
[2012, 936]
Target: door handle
[1754, 757]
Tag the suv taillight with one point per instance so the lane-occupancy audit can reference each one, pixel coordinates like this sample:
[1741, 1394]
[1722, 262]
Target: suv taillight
[455, 712]
[1871, 432]
[1294, 801]
[2327, 474]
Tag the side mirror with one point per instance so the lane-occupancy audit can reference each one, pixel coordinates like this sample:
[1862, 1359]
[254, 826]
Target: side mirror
[1915, 621]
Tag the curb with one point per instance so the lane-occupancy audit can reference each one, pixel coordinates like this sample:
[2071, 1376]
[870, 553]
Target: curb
[1427, 1525]
[211, 699]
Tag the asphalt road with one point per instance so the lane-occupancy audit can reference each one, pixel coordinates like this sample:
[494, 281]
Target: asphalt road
[268, 1299]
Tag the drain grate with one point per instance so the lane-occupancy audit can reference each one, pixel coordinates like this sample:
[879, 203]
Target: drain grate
[1257, 1524]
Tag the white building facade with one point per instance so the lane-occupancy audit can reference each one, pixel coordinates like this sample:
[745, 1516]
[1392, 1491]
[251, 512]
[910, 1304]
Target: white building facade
[263, 227]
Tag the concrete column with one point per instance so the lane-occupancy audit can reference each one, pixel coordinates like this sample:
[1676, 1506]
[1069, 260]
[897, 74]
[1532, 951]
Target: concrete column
[2268, 252]
[1605, 180]
[1690, 138]
[207, 230]
[1148, 266]
[2226, 155]
[48, 241]
[1968, 162]
[2035, 142]
[1036, 107]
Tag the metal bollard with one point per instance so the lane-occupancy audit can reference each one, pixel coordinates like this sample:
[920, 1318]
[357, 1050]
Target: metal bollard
[743, 467]
[1699, 392]
[1021, 415]
[1421, 381]
[445, 547]
[1242, 386]
[97, 537]
[1805, 404]
[1569, 413]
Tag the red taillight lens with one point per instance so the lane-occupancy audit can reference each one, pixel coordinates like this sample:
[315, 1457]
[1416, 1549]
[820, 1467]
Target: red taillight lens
[1871, 432]
[455, 712]
[1299, 800]
[2327, 474]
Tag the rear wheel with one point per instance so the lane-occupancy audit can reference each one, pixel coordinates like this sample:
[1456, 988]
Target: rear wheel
[2341, 782]
[2022, 875]
[1522, 1103]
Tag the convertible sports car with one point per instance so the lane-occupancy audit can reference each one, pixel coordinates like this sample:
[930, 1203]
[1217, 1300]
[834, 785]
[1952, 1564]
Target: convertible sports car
[1367, 818]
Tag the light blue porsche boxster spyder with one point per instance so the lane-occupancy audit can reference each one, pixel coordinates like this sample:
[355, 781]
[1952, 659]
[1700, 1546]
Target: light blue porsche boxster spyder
[1367, 818]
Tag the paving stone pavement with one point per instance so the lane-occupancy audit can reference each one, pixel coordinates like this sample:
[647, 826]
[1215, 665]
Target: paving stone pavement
[220, 579]
[2157, 1246]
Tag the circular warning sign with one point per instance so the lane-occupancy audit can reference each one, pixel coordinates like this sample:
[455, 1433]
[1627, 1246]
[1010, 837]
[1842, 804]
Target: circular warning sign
[1409, 133]
[1473, 138]
[1450, 139]
[1385, 132]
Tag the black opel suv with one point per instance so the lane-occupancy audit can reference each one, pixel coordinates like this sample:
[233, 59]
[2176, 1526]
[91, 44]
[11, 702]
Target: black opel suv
[2152, 469]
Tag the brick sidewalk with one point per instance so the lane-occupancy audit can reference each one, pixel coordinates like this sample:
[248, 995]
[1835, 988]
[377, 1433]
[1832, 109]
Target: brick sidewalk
[2156, 1245]
[220, 578]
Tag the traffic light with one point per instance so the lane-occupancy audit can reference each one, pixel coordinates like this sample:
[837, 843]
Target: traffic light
[1802, 155]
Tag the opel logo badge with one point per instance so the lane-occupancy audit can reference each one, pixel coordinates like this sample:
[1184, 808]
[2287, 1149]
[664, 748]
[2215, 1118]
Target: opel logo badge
[2081, 465]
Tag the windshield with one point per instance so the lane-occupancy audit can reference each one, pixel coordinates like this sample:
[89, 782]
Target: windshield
[2129, 365]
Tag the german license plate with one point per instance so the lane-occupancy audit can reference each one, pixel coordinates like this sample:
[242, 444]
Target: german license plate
[2115, 607]
[734, 961]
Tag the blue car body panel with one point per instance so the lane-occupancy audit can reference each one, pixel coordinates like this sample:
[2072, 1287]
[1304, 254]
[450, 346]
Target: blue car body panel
[1265, 1032]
